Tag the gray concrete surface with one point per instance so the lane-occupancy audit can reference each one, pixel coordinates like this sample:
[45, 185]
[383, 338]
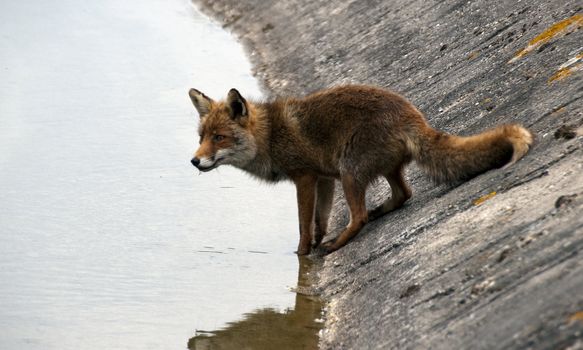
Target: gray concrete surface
[493, 263]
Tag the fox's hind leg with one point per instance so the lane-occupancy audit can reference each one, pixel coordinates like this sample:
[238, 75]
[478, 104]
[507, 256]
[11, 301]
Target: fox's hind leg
[354, 191]
[324, 197]
[400, 193]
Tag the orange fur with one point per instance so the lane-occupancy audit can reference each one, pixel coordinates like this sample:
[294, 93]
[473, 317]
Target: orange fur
[354, 134]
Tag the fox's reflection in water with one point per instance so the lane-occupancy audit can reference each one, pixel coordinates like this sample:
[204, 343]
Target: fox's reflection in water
[268, 328]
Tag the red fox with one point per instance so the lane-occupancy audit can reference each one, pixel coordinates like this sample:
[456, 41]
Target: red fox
[352, 133]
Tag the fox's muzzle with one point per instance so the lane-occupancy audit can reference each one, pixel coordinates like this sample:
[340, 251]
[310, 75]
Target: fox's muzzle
[205, 164]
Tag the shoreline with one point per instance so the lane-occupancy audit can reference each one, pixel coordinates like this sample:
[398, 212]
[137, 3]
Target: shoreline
[226, 16]
[493, 262]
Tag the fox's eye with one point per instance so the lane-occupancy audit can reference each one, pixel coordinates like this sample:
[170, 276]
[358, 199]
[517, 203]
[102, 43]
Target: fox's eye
[218, 138]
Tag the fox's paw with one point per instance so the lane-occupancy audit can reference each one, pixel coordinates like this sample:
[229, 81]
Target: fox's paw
[305, 245]
[330, 247]
[303, 250]
[317, 241]
[375, 213]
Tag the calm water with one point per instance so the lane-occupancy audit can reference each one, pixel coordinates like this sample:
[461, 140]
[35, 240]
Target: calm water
[109, 238]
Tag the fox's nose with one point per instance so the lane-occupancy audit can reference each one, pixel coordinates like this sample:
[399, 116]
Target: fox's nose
[195, 161]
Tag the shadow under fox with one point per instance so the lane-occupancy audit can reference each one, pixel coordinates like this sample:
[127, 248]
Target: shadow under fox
[353, 133]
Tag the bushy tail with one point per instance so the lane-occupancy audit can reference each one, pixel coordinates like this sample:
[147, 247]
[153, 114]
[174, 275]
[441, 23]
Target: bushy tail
[450, 159]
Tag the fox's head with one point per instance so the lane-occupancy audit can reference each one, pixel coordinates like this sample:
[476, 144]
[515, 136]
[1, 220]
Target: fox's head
[225, 131]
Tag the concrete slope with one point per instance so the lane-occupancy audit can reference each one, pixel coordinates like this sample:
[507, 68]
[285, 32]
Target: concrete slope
[494, 263]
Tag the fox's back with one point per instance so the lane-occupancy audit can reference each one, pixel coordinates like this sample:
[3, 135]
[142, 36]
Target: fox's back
[333, 115]
[322, 126]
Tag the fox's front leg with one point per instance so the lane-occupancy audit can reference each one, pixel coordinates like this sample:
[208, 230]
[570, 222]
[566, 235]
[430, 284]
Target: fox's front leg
[306, 192]
[325, 195]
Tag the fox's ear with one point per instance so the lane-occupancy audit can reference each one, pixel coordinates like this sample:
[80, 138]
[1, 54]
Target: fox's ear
[237, 104]
[201, 102]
